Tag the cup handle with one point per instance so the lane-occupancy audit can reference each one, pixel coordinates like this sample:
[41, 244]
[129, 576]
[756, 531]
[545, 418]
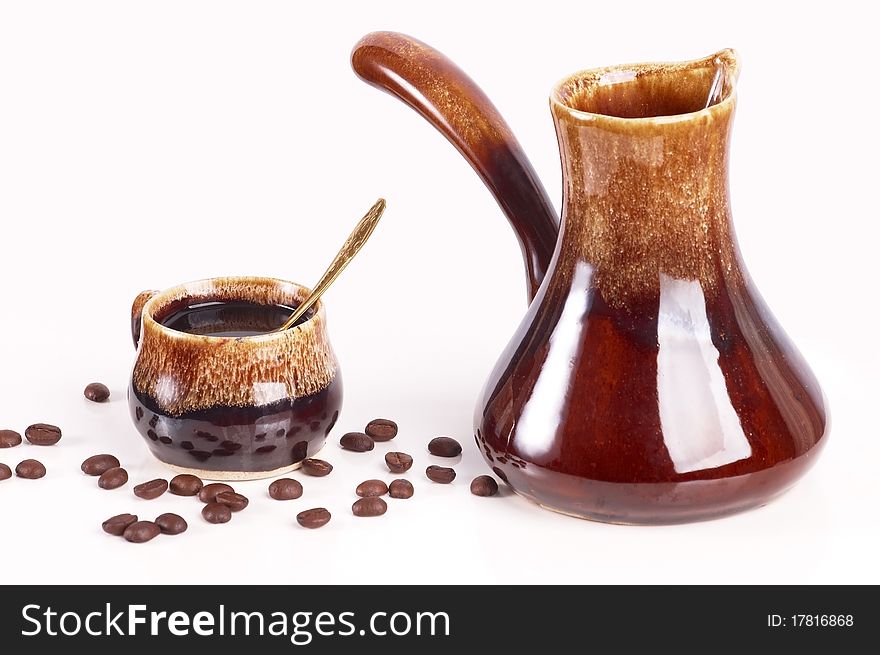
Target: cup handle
[137, 310]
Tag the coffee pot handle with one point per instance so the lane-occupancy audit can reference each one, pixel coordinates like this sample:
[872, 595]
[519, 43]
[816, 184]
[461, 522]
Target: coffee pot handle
[446, 97]
[137, 310]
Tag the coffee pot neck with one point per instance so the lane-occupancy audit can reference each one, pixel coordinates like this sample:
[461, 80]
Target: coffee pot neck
[646, 196]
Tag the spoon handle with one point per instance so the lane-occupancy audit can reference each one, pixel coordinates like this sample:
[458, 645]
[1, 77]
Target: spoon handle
[350, 248]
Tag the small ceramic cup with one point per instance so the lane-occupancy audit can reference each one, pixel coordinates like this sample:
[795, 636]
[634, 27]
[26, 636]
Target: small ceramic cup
[232, 408]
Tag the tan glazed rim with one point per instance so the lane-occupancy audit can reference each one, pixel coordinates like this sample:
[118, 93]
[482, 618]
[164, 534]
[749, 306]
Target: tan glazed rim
[186, 372]
[208, 288]
[570, 95]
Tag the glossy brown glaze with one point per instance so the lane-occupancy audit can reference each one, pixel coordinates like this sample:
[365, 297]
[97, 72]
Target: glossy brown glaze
[648, 381]
[445, 96]
[232, 407]
[254, 439]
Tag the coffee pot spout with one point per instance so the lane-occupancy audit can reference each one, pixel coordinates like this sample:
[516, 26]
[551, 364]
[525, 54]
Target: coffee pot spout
[446, 97]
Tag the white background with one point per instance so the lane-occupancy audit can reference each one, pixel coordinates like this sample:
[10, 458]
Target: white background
[146, 144]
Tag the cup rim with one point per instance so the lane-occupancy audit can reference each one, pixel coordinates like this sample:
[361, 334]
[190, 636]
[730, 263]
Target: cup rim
[190, 289]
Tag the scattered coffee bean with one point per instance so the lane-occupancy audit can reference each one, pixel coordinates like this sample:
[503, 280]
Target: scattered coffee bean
[30, 469]
[381, 429]
[9, 438]
[357, 442]
[5, 472]
[140, 532]
[116, 525]
[208, 493]
[43, 434]
[113, 478]
[444, 447]
[152, 489]
[440, 474]
[398, 462]
[484, 485]
[313, 518]
[216, 513]
[171, 523]
[99, 464]
[97, 392]
[372, 506]
[185, 485]
[370, 488]
[235, 502]
[401, 489]
[316, 467]
[286, 489]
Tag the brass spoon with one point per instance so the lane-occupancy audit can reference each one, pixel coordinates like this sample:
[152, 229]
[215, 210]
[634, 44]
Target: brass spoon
[350, 248]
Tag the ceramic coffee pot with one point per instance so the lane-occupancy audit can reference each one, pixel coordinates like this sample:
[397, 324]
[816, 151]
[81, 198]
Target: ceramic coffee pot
[648, 382]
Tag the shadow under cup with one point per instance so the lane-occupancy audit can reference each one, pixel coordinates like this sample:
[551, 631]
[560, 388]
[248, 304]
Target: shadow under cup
[233, 408]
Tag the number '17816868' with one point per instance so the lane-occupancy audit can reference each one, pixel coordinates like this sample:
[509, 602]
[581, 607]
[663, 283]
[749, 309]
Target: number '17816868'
[810, 621]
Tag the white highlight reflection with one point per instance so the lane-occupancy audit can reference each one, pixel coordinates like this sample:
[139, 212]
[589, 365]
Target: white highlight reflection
[536, 431]
[165, 390]
[616, 77]
[700, 426]
[266, 393]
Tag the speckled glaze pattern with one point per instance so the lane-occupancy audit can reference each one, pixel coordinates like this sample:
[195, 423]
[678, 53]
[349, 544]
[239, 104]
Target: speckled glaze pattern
[186, 372]
[648, 382]
[647, 195]
[232, 407]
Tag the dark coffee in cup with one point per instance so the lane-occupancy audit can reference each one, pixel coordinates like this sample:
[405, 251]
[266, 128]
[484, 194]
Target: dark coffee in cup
[230, 319]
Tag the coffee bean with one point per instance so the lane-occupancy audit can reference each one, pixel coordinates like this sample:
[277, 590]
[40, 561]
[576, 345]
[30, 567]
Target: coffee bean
[356, 441]
[316, 467]
[484, 485]
[313, 518]
[99, 464]
[43, 434]
[152, 489]
[9, 438]
[381, 429]
[235, 502]
[171, 523]
[372, 506]
[370, 488]
[286, 489]
[113, 478]
[216, 513]
[140, 532]
[97, 392]
[440, 474]
[185, 485]
[398, 462]
[401, 489]
[5, 472]
[30, 469]
[208, 493]
[444, 447]
[116, 525]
